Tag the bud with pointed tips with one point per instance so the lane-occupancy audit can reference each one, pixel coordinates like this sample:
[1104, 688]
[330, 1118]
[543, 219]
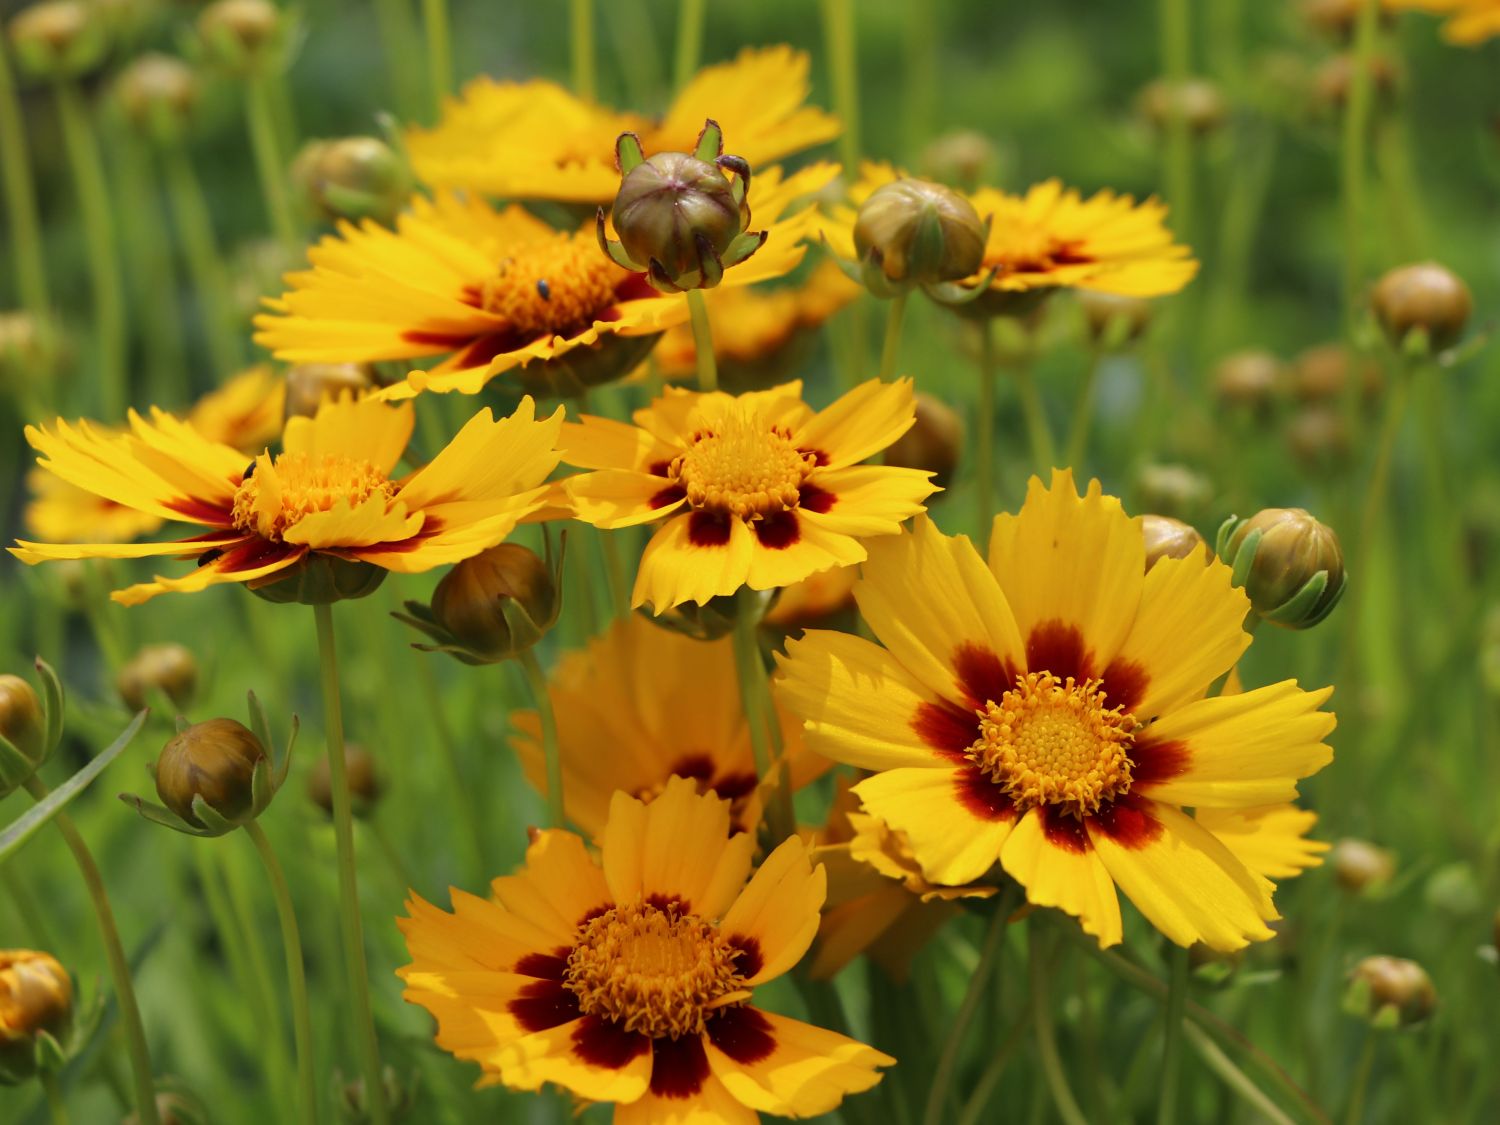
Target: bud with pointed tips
[911, 233]
[212, 762]
[241, 35]
[1290, 564]
[1424, 296]
[352, 178]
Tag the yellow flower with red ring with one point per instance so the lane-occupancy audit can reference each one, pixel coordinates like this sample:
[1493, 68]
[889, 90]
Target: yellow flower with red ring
[329, 494]
[536, 140]
[631, 978]
[1049, 712]
[755, 489]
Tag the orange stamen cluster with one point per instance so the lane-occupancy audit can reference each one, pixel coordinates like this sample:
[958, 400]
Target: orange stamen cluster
[556, 285]
[279, 494]
[739, 465]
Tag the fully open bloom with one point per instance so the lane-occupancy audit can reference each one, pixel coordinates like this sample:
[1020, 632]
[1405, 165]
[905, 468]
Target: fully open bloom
[1052, 238]
[536, 140]
[629, 980]
[492, 289]
[1049, 712]
[667, 706]
[756, 490]
[328, 494]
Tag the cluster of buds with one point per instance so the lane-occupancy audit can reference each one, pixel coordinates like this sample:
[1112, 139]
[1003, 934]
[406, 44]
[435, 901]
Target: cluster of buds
[352, 178]
[29, 731]
[58, 39]
[493, 606]
[1390, 992]
[682, 218]
[1290, 565]
[216, 776]
[913, 234]
[36, 1014]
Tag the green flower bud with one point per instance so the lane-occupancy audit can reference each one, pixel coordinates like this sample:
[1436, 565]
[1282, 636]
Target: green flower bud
[498, 603]
[1291, 566]
[1173, 490]
[1360, 866]
[1168, 538]
[912, 232]
[1391, 992]
[168, 668]
[364, 781]
[1426, 296]
[309, 385]
[22, 723]
[1196, 100]
[36, 1001]
[58, 39]
[158, 94]
[214, 761]
[933, 443]
[241, 35]
[352, 178]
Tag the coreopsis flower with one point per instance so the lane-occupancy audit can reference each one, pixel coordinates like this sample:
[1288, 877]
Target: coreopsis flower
[328, 498]
[1468, 22]
[535, 140]
[1048, 712]
[491, 290]
[754, 490]
[1051, 238]
[667, 706]
[630, 979]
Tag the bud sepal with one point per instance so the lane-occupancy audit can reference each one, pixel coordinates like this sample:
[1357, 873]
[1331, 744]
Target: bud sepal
[30, 728]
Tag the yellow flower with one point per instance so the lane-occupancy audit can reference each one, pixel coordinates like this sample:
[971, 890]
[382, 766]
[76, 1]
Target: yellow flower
[756, 490]
[535, 140]
[36, 996]
[1052, 238]
[246, 412]
[630, 979]
[328, 494]
[490, 290]
[1469, 23]
[1048, 712]
[666, 706]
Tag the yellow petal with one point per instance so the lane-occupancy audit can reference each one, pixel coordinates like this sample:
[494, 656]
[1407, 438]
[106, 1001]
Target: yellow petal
[808, 1071]
[778, 911]
[1271, 840]
[675, 568]
[362, 429]
[613, 498]
[954, 821]
[860, 423]
[1056, 863]
[557, 888]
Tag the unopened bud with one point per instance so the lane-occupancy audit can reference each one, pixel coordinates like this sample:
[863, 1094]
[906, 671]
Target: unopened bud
[352, 178]
[1361, 866]
[1426, 296]
[1391, 992]
[1332, 81]
[1196, 100]
[175, 1107]
[1114, 320]
[240, 33]
[1290, 564]
[1321, 374]
[961, 157]
[1168, 538]
[168, 668]
[1248, 380]
[158, 93]
[913, 232]
[498, 603]
[1173, 490]
[364, 781]
[933, 443]
[215, 761]
[1318, 436]
[310, 385]
[21, 721]
[58, 38]
[1338, 17]
[36, 1000]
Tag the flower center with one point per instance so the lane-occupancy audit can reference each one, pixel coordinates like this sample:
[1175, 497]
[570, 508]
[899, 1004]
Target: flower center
[1054, 742]
[740, 466]
[278, 494]
[1037, 251]
[555, 286]
[652, 970]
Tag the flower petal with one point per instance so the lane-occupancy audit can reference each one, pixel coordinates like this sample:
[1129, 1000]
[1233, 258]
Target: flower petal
[859, 424]
[866, 499]
[487, 460]
[955, 820]
[1053, 858]
[1270, 840]
[775, 918]
[693, 557]
[557, 889]
[614, 498]
[362, 429]
[787, 1067]
[247, 561]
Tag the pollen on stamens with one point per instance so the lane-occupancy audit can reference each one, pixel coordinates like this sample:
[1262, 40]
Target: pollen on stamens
[738, 465]
[281, 493]
[651, 969]
[555, 286]
[1050, 741]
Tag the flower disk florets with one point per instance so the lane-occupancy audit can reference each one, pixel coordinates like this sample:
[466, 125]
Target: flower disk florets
[554, 287]
[742, 468]
[278, 495]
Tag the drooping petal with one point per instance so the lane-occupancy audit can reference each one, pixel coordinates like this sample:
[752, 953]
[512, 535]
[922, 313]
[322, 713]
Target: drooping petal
[1052, 856]
[787, 1067]
[247, 561]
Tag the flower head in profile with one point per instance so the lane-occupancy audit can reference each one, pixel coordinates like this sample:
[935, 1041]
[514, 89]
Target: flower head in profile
[631, 979]
[536, 140]
[1050, 238]
[1049, 712]
[328, 498]
[753, 490]
[667, 706]
[489, 291]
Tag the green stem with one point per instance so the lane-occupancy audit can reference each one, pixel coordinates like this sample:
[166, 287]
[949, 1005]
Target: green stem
[291, 941]
[146, 246]
[1357, 1093]
[689, 42]
[195, 231]
[892, 346]
[1039, 433]
[1232, 1076]
[1352, 171]
[57, 1109]
[20, 198]
[614, 570]
[114, 952]
[581, 37]
[1171, 1061]
[241, 914]
[1046, 1036]
[839, 34]
[1374, 504]
[703, 341]
[984, 1089]
[269, 163]
[397, 33]
[36, 928]
[984, 426]
[462, 792]
[343, 833]
[1083, 414]
[439, 52]
[941, 1090]
[537, 681]
[103, 255]
[759, 714]
[1176, 65]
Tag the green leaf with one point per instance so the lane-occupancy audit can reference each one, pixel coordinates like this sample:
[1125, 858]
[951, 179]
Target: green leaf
[52, 694]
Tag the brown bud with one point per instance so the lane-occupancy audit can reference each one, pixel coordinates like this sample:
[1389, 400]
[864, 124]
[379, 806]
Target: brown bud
[919, 233]
[477, 601]
[309, 385]
[667, 202]
[1321, 373]
[1248, 380]
[1318, 436]
[1333, 79]
[36, 996]
[1293, 548]
[239, 31]
[168, 668]
[933, 443]
[58, 38]
[1174, 490]
[1424, 295]
[1168, 538]
[214, 760]
[157, 93]
[961, 157]
[21, 720]
[352, 178]
[1359, 865]
[364, 781]
[1338, 17]
[1114, 320]
[1196, 100]
[1397, 988]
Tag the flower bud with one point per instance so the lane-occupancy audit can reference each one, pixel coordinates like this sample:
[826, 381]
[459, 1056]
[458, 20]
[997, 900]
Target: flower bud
[175, 1107]
[1338, 17]
[1291, 566]
[498, 602]
[168, 668]
[36, 998]
[913, 232]
[215, 761]
[961, 157]
[1425, 295]
[1391, 992]
[158, 94]
[240, 34]
[1248, 381]
[1360, 866]
[1173, 490]
[22, 723]
[1168, 538]
[58, 38]
[1321, 373]
[933, 443]
[1332, 81]
[310, 385]
[352, 178]
[1198, 101]
[1114, 320]
[1318, 437]
[31, 349]
[364, 781]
